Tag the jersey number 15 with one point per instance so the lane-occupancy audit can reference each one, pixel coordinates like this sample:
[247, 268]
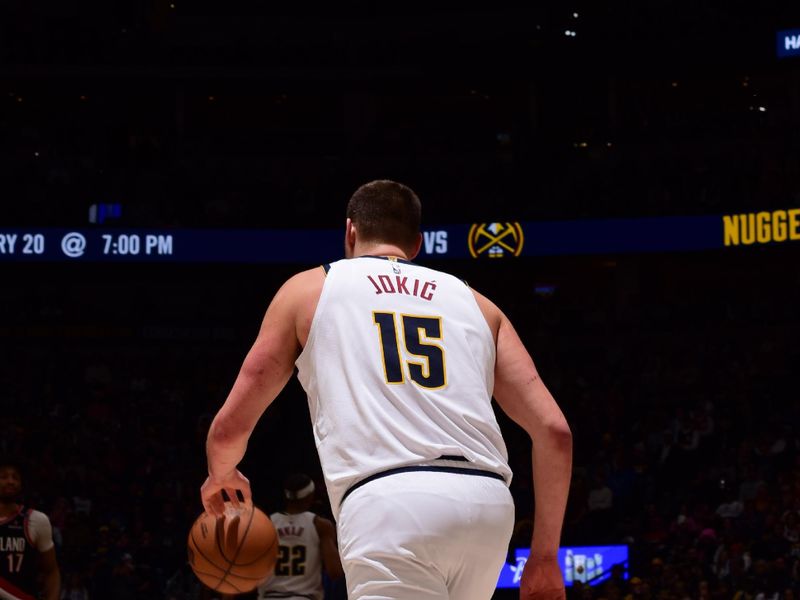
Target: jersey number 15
[428, 372]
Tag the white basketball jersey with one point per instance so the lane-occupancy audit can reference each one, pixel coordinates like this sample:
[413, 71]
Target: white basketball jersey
[399, 371]
[298, 571]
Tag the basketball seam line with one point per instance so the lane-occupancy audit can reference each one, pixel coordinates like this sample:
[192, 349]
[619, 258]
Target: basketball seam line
[201, 553]
[238, 549]
[211, 562]
[260, 556]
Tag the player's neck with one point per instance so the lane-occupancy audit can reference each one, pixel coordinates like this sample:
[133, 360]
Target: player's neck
[8, 509]
[380, 250]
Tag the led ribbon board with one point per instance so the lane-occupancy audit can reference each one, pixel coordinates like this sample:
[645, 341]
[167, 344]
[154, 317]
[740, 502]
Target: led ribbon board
[788, 43]
[590, 565]
[490, 240]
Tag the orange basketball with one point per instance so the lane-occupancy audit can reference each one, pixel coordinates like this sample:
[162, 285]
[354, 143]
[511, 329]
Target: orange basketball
[234, 554]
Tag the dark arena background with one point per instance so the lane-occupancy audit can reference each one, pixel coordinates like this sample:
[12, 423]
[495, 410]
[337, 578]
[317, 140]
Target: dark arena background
[621, 178]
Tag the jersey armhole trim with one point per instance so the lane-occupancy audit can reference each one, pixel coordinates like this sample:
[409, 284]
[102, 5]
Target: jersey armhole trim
[312, 332]
[326, 267]
[487, 329]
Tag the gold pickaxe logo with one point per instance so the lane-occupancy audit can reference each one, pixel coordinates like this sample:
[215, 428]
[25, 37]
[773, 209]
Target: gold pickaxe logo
[495, 240]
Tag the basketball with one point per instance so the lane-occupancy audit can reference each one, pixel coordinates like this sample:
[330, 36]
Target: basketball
[233, 554]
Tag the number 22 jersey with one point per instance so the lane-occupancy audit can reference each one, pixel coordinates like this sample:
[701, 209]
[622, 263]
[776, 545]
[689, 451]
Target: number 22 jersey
[298, 570]
[399, 371]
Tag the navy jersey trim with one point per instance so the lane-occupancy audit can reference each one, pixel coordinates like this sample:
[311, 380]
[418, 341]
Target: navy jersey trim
[326, 267]
[390, 258]
[411, 469]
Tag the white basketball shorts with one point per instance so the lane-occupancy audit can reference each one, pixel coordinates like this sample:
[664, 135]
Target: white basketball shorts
[425, 535]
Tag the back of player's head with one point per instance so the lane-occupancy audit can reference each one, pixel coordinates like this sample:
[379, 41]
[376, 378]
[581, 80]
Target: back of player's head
[385, 211]
[298, 486]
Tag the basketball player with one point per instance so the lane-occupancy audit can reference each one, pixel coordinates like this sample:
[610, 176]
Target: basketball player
[399, 363]
[307, 542]
[27, 552]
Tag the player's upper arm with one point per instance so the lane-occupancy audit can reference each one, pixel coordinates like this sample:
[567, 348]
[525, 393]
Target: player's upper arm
[47, 561]
[518, 388]
[270, 362]
[325, 528]
[279, 343]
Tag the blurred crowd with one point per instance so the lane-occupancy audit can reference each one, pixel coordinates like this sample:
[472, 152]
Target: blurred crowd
[684, 419]
[679, 395]
[675, 372]
[200, 154]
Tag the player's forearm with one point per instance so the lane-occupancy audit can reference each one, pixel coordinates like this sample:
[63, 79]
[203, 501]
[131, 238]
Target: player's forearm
[224, 449]
[227, 438]
[552, 471]
[51, 585]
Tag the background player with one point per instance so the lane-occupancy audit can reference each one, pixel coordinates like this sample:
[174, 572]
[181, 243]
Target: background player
[27, 552]
[408, 441]
[307, 543]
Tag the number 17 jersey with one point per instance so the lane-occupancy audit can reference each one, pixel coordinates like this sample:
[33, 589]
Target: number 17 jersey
[399, 371]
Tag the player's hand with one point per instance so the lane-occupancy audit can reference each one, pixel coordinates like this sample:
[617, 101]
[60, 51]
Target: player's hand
[542, 580]
[211, 492]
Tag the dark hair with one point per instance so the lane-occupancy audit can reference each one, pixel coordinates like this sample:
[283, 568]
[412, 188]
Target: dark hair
[386, 211]
[296, 481]
[11, 462]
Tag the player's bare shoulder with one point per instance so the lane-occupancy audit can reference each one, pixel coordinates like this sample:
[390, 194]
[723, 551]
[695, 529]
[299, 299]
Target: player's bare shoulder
[302, 291]
[303, 284]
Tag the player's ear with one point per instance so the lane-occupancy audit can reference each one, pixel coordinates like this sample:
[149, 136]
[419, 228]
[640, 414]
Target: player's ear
[417, 247]
[349, 238]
